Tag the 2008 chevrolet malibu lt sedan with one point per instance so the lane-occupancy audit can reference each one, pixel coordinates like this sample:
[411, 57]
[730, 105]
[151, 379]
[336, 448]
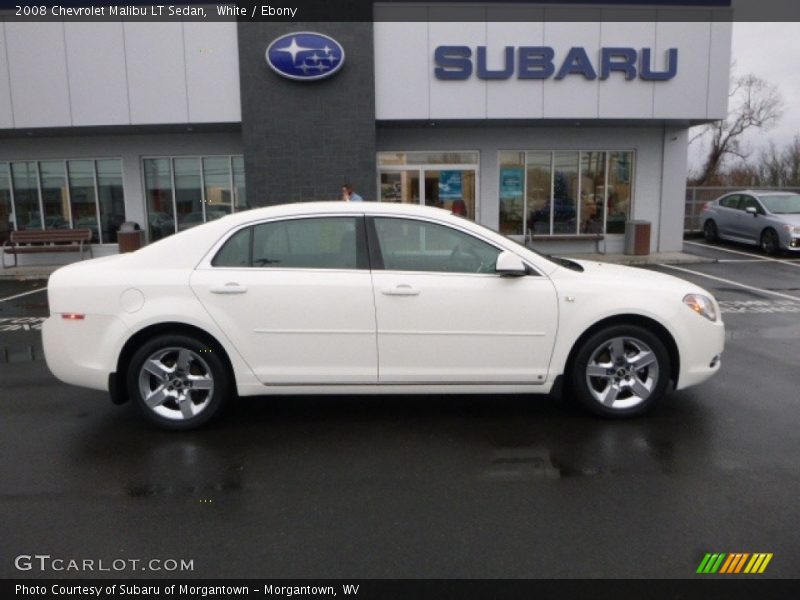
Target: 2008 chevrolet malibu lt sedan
[369, 298]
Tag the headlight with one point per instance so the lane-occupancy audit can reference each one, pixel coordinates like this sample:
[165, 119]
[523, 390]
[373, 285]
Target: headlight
[791, 228]
[702, 305]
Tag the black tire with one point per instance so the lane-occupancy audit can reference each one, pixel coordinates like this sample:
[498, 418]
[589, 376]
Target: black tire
[630, 382]
[203, 369]
[770, 244]
[710, 231]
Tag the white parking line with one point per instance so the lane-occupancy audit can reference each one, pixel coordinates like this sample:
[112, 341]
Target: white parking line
[789, 262]
[22, 294]
[736, 283]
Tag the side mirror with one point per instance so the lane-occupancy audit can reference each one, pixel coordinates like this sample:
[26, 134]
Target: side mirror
[510, 265]
[751, 210]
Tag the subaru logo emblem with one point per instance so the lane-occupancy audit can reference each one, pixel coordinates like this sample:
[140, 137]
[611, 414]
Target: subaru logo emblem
[305, 56]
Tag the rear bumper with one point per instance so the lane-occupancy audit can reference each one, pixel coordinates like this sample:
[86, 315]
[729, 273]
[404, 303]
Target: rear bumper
[83, 352]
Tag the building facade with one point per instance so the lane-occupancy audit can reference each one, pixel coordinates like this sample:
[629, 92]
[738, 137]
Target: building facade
[551, 130]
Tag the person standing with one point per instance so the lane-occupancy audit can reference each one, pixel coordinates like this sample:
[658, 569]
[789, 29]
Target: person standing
[348, 195]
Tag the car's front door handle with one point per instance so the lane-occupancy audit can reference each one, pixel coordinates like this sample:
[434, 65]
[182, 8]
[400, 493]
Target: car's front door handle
[229, 288]
[400, 290]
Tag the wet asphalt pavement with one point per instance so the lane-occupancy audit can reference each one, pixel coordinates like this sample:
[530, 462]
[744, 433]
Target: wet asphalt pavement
[437, 486]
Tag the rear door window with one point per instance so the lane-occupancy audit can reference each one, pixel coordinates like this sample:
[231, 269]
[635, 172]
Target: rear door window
[307, 243]
[731, 201]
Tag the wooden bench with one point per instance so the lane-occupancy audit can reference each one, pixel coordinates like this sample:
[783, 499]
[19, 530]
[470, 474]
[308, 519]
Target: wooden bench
[568, 237]
[35, 241]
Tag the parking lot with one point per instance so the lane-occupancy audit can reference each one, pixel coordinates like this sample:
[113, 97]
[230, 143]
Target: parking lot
[432, 487]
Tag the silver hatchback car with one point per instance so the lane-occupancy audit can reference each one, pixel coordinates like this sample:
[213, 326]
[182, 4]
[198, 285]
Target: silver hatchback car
[767, 219]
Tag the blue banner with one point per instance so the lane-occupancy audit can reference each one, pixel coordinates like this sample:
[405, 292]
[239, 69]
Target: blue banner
[511, 183]
[450, 185]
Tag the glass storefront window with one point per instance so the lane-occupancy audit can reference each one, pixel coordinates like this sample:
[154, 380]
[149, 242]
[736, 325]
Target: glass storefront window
[239, 189]
[158, 189]
[53, 182]
[565, 192]
[217, 178]
[538, 188]
[445, 180]
[6, 208]
[452, 190]
[193, 189]
[68, 190]
[188, 192]
[427, 158]
[512, 193]
[593, 178]
[111, 198]
[400, 187]
[25, 184]
[618, 203]
[82, 195]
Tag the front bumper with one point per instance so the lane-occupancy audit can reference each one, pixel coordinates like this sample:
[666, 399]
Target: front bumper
[790, 242]
[700, 351]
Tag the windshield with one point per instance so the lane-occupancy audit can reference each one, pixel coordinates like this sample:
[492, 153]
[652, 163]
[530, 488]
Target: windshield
[782, 204]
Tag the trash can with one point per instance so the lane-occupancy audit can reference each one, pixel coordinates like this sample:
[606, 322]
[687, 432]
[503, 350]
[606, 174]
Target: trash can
[129, 237]
[637, 237]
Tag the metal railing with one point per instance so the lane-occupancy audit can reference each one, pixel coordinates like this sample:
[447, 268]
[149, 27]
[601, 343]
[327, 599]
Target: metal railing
[696, 197]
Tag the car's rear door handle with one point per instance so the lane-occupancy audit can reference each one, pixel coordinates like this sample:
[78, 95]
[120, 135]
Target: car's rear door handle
[229, 288]
[400, 290]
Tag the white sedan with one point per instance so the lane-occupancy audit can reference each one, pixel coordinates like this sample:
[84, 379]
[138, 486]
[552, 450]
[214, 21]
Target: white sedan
[369, 298]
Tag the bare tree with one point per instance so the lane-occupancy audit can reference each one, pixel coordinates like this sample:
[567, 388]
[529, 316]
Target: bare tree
[771, 168]
[754, 103]
[791, 162]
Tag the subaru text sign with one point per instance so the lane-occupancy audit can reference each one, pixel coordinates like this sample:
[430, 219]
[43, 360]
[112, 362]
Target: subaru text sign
[305, 56]
[540, 62]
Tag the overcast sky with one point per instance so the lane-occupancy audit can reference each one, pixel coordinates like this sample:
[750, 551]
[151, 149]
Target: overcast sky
[771, 51]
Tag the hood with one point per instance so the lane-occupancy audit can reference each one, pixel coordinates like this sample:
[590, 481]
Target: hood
[634, 276]
[604, 269]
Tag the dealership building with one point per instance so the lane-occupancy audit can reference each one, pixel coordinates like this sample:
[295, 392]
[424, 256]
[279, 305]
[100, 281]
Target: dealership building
[554, 124]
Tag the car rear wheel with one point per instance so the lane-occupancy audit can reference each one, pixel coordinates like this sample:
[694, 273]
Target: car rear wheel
[769, 241]
[710, 231]
[178, 381]
[620, 371]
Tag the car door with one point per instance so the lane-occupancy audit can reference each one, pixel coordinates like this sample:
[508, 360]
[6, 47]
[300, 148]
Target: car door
[748, 226]
[727, 215]
[295, 298]
[445, 316]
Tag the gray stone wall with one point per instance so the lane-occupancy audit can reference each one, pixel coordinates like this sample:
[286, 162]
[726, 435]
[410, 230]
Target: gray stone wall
[302, 140]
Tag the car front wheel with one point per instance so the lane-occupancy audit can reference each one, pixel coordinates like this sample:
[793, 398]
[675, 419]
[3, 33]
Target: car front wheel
[769, 241]
[620, 371]
[177, 381]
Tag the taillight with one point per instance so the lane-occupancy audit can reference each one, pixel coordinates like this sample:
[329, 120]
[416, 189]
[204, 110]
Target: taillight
[73, 316]
[707, 206]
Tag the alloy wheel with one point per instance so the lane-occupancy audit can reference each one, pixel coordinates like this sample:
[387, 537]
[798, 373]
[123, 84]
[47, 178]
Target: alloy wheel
[622, 372]
[176, 383]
